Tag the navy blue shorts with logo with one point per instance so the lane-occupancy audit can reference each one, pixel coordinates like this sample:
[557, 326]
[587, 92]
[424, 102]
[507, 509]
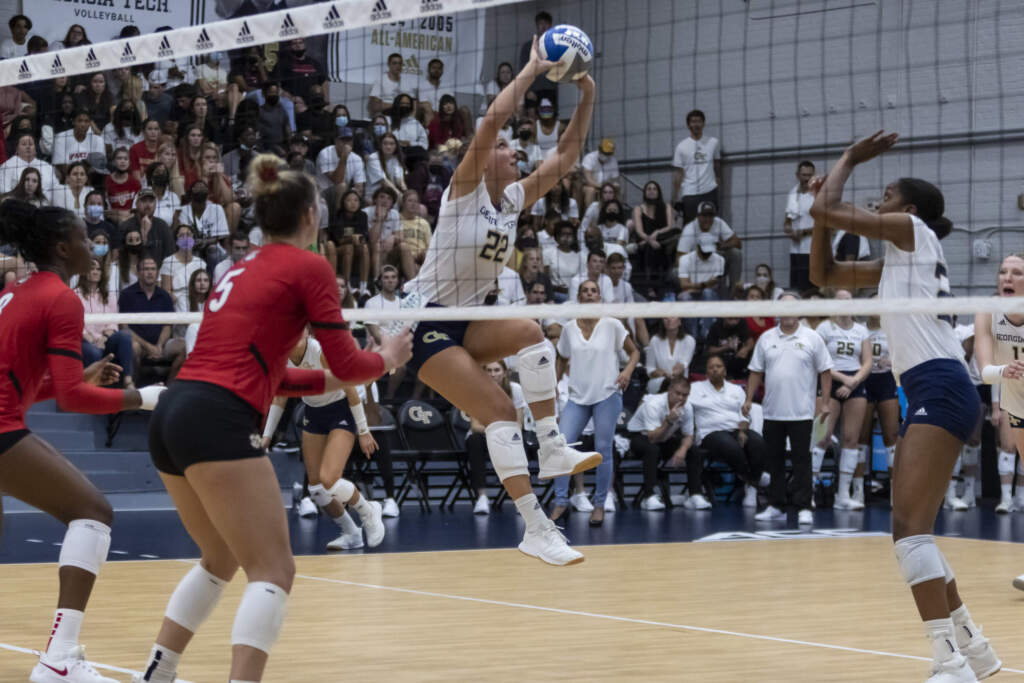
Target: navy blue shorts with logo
[858, 391]
[325, 419]
[881, 386]
[432, 337]
[939, 392]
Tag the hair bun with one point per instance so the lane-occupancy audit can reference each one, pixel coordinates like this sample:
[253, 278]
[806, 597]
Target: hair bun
[264, 175]
[268, 173]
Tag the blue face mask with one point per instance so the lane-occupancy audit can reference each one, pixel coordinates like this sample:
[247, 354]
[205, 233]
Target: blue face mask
[100, 249]
[186, 243]
[523, 166]
[379, 130]
[341, 120]
[94, 211]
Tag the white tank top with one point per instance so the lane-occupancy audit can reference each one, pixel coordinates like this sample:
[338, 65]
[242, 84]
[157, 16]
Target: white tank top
[920, 337]
[471, 245]
[843, 345]
[1009, 340]
[311, 361]
[880, 361]
[547, 141]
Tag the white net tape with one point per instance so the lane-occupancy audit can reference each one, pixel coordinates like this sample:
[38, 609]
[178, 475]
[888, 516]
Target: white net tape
[720, 309]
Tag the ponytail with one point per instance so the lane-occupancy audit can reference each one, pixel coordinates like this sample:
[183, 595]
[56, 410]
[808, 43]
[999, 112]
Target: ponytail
[929, 203]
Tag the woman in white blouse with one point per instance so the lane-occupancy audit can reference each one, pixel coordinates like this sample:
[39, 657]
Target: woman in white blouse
[563, 262]
[72, 195]
[408, 131]
[177, 269]
[592, 346]
[669, 353]
[384, 167]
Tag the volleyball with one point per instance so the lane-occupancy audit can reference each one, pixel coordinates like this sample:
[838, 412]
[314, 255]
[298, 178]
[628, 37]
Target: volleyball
[571, 48]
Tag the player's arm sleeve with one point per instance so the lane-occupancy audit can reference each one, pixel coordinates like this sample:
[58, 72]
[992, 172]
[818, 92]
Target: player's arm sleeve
[319, 292]
[64, 355]
[300, 382]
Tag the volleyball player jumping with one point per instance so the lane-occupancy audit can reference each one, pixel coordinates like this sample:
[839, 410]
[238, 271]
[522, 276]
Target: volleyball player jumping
[205, 438]
[476, 229]
[927, 358]
[41, 323]
[999, 339]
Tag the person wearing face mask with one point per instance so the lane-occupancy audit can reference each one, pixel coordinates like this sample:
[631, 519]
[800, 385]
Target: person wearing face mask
[176, 270]
[411, 135]
[392, 83]
[124, 270]
[446, 123]
[599, 167]
[524, 142]
[94, 215]
[764, 280]
[158, 178]
[381, 125]
[548, 127]
[340, 165]
[297, 71]
[207, 222]
[236, 162]
[157, 238]
[273, 122]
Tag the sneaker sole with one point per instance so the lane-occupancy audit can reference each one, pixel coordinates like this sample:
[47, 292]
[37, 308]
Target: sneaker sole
[985, 674]
[553, 564]
[1018, 583]
[588, 463]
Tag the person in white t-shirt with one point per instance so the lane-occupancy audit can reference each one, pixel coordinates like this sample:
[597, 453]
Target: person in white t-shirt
[24, 157]
[622, 292]
[591, 346]
[207, 220]
[798, 227]
[662, 429]
[727, 242]
[392, 83]
[340, 165]
[928, 359]
[790, 361]
[669, 354]
[240, 246]
[410, 133]
[77, 143]
[599, 167]
[595, 272]
[722, 428]
[848, 344]
[564, 261]
[17, 44]
[700, 272]
[431, 88]
[177, 269]
[698, 167]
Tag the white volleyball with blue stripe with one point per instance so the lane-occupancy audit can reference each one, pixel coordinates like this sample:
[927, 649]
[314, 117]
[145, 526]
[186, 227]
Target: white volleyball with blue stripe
[571, 48]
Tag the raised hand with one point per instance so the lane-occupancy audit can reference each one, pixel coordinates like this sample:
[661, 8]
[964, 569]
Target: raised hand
[870, 147]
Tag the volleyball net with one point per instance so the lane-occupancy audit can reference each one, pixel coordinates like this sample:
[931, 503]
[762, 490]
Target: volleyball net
[706, 114]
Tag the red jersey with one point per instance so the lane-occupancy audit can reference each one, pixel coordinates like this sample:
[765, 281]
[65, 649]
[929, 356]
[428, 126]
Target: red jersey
[41, 330]
[140, 157]
[121, 195]
[255, 316]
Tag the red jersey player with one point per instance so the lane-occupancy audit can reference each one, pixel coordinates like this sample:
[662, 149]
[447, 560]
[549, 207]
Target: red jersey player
[205, 438]
[41, 324]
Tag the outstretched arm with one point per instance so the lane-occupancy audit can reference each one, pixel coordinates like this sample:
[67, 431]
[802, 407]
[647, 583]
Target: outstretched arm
[825, 271]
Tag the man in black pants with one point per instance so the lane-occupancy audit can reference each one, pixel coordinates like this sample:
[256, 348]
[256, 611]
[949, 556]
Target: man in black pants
[661, 428]
[722, 429]
[789, 360]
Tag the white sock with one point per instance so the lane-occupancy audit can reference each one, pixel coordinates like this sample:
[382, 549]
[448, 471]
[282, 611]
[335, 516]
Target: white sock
[845, 479]
[969, 487]
[965, 626]
[347, 524]
[547, 431]
[940, 632]
[362, 507]
[1005, 488]
[67, 623]
[161, 666]
[951, 489]
[529, 507]
[817, 457]
[858, 487]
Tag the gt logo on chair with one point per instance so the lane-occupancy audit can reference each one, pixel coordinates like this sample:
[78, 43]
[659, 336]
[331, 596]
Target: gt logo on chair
[432, 336]
[418, 414]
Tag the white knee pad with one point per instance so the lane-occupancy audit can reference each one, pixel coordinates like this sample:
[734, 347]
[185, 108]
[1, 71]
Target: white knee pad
[195, 598]
[342, 491]
[919, 559]
[970, 455]
[319, 495]
[863, 451]
[505, 446]
[1005, 462]
[260, 616]
[817, 457]
[848, 460]
[85, 545]
[957, 466]
[945, 566]
[537, 371]
[890, 451]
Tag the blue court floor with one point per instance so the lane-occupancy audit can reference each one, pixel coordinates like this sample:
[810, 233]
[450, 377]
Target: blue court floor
[30, 536]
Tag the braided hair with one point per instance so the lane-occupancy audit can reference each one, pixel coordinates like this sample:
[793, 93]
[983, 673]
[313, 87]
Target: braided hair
[35, 231]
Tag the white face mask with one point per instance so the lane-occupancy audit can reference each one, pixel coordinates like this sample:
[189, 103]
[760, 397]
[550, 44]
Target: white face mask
[762, 281]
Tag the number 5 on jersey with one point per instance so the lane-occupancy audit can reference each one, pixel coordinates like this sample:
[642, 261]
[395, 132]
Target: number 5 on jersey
[223, 290]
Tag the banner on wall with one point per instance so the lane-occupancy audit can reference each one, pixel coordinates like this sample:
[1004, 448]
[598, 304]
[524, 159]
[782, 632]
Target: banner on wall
[104, 19]
[360, 56]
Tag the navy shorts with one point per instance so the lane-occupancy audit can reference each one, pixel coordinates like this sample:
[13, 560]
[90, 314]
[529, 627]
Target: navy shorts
[325, 419]
[1015, 422]
[858, 392]
[433, 337]
[9, 440]
[881, 386]
[939, 392]
[985, 392]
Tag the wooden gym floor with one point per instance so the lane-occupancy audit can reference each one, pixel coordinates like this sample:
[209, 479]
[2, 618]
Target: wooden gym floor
[829, 609]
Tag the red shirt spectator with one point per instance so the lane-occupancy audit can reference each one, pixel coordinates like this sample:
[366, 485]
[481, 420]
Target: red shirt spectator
[446, 124]
[120, 195]
[143, 153]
